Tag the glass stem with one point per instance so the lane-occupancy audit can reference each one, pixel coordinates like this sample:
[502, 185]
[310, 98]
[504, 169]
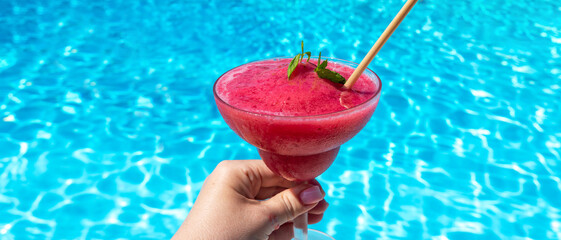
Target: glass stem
[301, 227]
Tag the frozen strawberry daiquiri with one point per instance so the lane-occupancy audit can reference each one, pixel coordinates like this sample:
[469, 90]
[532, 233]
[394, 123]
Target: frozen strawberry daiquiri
[297, 123]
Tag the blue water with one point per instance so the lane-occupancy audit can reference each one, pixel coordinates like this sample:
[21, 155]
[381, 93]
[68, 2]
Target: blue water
[108, 126]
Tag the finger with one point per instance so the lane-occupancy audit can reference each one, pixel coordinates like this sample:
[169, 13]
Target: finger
[285, 232]
[288, 204]
[314, 218]
[255, 171]
[320, 208]
[268, 192]
[268, 177]
[245, 177]
[315, 182]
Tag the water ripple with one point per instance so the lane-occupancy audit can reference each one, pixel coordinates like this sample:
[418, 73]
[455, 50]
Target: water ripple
[109, 104]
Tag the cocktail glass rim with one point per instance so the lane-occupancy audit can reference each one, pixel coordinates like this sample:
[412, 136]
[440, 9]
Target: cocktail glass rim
[378, 91]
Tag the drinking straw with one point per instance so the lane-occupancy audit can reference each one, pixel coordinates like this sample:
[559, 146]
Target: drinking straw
[380, 42]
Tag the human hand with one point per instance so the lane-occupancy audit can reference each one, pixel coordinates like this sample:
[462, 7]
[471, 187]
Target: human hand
[243, 199]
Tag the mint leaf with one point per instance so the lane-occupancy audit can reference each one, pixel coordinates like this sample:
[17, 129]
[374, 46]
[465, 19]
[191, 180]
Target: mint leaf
[321, 68]
[293, 64]
[330, 75]
[322, 72]
[323, 65]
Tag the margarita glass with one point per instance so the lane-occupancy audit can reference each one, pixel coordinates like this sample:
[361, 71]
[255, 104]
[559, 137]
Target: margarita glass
[299, 148]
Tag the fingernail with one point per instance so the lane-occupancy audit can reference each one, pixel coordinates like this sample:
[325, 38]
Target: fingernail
[315, 182]
[311, 195]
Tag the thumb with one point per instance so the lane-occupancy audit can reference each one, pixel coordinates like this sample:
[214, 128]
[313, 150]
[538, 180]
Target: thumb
[293, 202]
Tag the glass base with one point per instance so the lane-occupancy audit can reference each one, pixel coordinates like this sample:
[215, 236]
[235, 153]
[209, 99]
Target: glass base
[317, 235]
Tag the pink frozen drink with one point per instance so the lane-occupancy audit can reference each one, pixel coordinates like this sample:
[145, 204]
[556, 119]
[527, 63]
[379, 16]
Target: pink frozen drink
[297, 123]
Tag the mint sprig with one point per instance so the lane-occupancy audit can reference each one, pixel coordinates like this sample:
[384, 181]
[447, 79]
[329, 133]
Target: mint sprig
[321, 69]
[297, 59]
[325, 73]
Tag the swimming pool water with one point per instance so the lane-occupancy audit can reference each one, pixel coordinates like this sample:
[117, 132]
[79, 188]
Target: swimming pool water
[108, 126]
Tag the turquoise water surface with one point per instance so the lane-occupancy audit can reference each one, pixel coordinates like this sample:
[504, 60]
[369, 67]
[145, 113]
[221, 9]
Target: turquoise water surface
[108, 125]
